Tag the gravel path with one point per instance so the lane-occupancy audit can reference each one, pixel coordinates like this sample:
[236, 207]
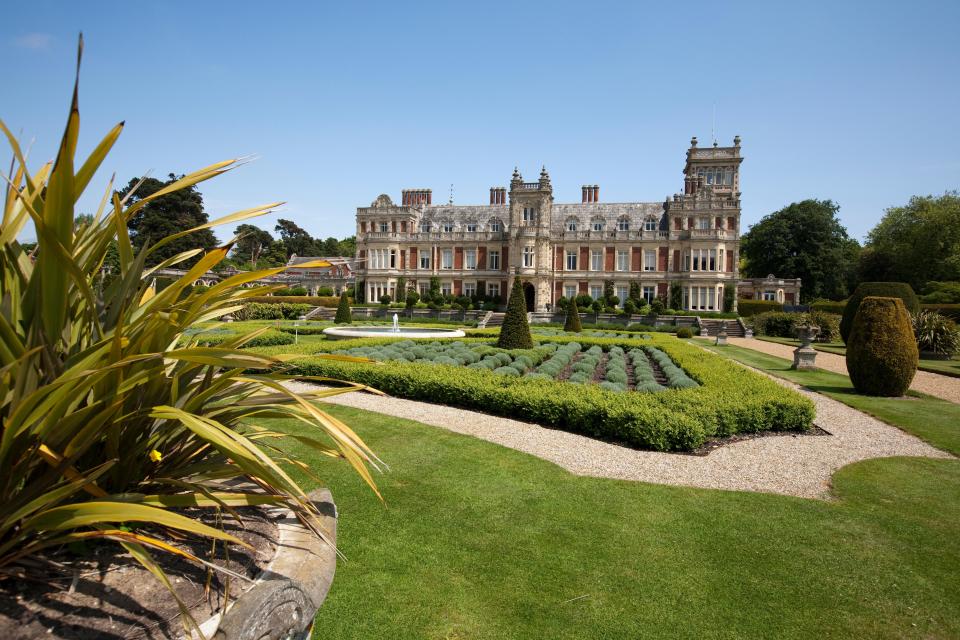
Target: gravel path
[786, 464]
[932, 384]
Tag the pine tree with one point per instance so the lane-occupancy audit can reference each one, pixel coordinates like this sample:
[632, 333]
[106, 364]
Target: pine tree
[515, 332]
[343, 310]
[573, 318]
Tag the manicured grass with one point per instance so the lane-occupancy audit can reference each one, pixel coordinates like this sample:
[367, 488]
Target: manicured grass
[934, 420]
[943, 367]
[480, 541]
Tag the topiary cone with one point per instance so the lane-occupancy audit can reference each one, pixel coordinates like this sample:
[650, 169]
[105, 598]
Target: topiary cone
[882, 353]
[343, 310]
[573, 318]
[515, 332]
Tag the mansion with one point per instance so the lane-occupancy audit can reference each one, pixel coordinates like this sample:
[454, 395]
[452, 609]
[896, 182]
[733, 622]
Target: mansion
[562, 249]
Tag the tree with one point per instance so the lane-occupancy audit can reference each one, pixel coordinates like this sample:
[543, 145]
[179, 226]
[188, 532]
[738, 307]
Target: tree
[348, 247]
[515, 331]
[252, 242]
[916, 243]
[803, 240]
[401, 289]
[165, 216]
[676, 295]
[296, 239]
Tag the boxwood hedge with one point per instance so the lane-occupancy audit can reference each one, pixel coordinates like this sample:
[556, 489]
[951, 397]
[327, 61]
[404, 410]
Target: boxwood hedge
[728, 399]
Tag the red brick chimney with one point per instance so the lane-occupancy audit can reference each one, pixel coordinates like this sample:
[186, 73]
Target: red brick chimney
[596, 193]
[584, 196]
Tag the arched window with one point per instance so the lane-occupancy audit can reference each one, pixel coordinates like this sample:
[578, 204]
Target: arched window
[598, 224]
[650, 224]
[623, 223]
[495, 225]
[571, 224]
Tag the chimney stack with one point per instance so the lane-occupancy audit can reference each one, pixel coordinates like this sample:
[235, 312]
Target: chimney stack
[493, 195]
[498, 195]
[596, 193]
[583, 194]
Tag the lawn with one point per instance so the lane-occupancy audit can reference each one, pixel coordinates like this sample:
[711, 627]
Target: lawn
[480, 541]
[934, 420]
[943, 367]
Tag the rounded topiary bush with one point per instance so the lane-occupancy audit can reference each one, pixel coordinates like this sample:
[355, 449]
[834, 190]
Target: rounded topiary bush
[684, 332]
[899, 290]
[882, 354]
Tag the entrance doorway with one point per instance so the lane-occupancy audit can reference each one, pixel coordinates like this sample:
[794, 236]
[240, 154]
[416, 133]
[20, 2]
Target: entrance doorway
[530, 295]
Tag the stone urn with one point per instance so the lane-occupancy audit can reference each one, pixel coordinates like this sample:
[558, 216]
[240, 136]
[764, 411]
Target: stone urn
[805, 356]
[722, 334]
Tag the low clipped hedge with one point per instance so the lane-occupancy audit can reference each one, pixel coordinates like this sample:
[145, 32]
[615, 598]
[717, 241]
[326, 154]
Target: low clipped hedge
[747, 308]
[313, 301]
[829, 306]
[269, 338]
[729, 399]
[900, 290]
[277, 311]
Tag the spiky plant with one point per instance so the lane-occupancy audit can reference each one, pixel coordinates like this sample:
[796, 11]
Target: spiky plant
[111, 414]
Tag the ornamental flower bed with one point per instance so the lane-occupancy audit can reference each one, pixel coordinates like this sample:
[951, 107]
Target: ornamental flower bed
[676, 395]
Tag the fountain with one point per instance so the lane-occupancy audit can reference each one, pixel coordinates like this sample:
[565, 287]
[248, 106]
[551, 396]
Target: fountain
[373, 331]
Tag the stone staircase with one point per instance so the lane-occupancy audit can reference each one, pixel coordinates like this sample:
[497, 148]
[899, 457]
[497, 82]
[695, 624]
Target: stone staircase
[493, 319]
[711, 327]
[321, 313]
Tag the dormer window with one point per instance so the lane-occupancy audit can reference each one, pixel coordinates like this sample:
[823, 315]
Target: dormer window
[571, 225]
[650, 224]
[424, 227]
[471, 227]
[448, 227]
[598, 225]
[495, 225]
[623, 224]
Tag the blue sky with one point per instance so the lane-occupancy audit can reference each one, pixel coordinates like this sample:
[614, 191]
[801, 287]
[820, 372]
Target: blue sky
[340, 102]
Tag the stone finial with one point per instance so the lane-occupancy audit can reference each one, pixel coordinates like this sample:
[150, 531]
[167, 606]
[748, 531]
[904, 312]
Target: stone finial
[693, 141]
[736, 141]
[544, 176]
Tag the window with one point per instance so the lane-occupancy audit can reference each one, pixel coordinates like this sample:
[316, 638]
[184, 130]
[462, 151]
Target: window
[623, 260]
[649, 260]
[470, 259]
[623, 224]
[596, 260]
[529, 214]
[703, 223]
[448, 227]
[528, 256]
[383, 227]
[650, 224]
[728, 177]
[469, 289]
[770, 295]
[598, 225]
[623, 292]
[424, 260]
[495, 225]
[494, 260]
[596, 291]
[571, 225]
[424, 288]
[713, 260]
[571, 259]
[493, 289]
[446, 259]
[710, 175]
[649, 293]
[393, 258]
[570, 291]
[424, 227]
[446, 288]
[471, 227]
[696, 261]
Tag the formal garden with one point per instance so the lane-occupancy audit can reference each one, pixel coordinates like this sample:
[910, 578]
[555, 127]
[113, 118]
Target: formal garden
[188, 460]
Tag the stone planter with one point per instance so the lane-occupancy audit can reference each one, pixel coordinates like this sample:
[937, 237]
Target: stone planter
[805, 356]
[286, 596]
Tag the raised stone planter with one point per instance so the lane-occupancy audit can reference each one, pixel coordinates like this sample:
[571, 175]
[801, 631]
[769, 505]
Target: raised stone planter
[805, 356]
[282, 603]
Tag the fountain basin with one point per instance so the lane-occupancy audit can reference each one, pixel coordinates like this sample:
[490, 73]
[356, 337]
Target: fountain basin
[412, 333]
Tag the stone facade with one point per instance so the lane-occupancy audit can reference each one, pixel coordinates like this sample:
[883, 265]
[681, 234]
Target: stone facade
[562, 249]
[783, 290]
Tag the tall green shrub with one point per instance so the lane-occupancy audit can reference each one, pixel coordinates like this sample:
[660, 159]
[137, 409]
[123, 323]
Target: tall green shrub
[401, 289]
[573, 318]
[515, 332]
[729, 297]
[676, 295]
[343, 310]
[900, 290]
[882, 353]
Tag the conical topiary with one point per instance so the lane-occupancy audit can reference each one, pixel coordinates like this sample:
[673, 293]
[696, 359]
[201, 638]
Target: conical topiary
[343, 310]
[515, 332]
[573, 318]
[882, 353]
